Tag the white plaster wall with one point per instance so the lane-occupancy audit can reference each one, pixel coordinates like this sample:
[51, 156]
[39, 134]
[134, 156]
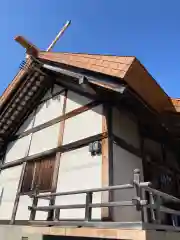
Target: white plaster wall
[125, 127]
[123, 165]
[49, 109]
[23, 213]
[28, 123]
[83, 125]
[9, 180]
[79, 170]
[44, 139]
[74, 100]
[17, 149]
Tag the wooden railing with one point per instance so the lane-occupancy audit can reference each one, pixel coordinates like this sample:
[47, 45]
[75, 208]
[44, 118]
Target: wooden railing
[148, 201]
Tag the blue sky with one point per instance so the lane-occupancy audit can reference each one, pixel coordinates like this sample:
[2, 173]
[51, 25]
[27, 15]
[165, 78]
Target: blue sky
[150, 30]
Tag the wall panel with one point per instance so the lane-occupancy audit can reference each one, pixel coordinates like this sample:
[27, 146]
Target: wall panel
[79, 170]
[9, 180]
[23, 213]
[74, 100]
[28, 123]
[124, 164]
[45, 139]
[83, 125]
[125, 127]
[49, 110]
[17, 149]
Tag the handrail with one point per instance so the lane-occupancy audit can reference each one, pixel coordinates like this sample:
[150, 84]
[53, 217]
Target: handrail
[92, 205]
[162, 194]
[154, 202]
[117, 187]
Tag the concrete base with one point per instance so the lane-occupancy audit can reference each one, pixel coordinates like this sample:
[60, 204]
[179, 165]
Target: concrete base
[9, 232]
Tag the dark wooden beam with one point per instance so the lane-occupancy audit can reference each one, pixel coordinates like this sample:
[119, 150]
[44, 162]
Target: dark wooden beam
[57, 158]
[18, 193]
[107, 160]
[64, 148]
[73, 113]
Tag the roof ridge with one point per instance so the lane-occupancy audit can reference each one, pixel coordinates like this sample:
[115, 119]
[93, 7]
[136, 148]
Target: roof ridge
[96, 54]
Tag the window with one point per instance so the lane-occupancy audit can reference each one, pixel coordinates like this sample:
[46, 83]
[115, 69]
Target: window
[38, 174]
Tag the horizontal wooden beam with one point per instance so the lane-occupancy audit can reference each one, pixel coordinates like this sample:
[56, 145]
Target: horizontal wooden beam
[64, 148]
[73, 113]
[123, 144]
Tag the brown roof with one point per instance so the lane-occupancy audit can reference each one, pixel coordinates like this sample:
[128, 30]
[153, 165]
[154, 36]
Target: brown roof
[127, 68]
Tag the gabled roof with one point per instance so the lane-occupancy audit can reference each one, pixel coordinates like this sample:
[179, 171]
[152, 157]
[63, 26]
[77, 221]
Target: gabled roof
[128, 69]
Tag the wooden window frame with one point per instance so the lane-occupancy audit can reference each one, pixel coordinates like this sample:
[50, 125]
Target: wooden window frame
[36, 171]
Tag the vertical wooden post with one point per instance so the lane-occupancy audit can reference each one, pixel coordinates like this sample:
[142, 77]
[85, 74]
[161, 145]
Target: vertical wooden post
[57, 160]
[158, 212]
[107, 161]
[88, 209]
[137, 181]
[152, 211]
[34, 204]
[16, 202]
[56, 214]
[138, 192]
[146, 212]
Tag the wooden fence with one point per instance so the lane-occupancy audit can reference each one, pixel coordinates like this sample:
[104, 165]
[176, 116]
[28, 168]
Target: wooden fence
[148, 201]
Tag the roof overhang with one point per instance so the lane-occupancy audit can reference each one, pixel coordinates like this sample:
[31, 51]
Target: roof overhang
[128, 69]
[32, 85]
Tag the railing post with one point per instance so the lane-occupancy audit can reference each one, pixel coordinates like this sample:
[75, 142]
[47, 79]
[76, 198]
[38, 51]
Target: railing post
[136, 183]
[34, 204]
[88, 209]
[152, 210]
[51, 212]
[158, 212]
[56, 214]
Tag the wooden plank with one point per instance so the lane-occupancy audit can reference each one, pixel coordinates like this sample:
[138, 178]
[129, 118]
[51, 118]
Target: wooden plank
[107, 160]
[60, 141]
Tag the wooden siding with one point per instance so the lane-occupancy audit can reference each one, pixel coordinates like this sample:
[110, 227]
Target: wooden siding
[38, 174]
